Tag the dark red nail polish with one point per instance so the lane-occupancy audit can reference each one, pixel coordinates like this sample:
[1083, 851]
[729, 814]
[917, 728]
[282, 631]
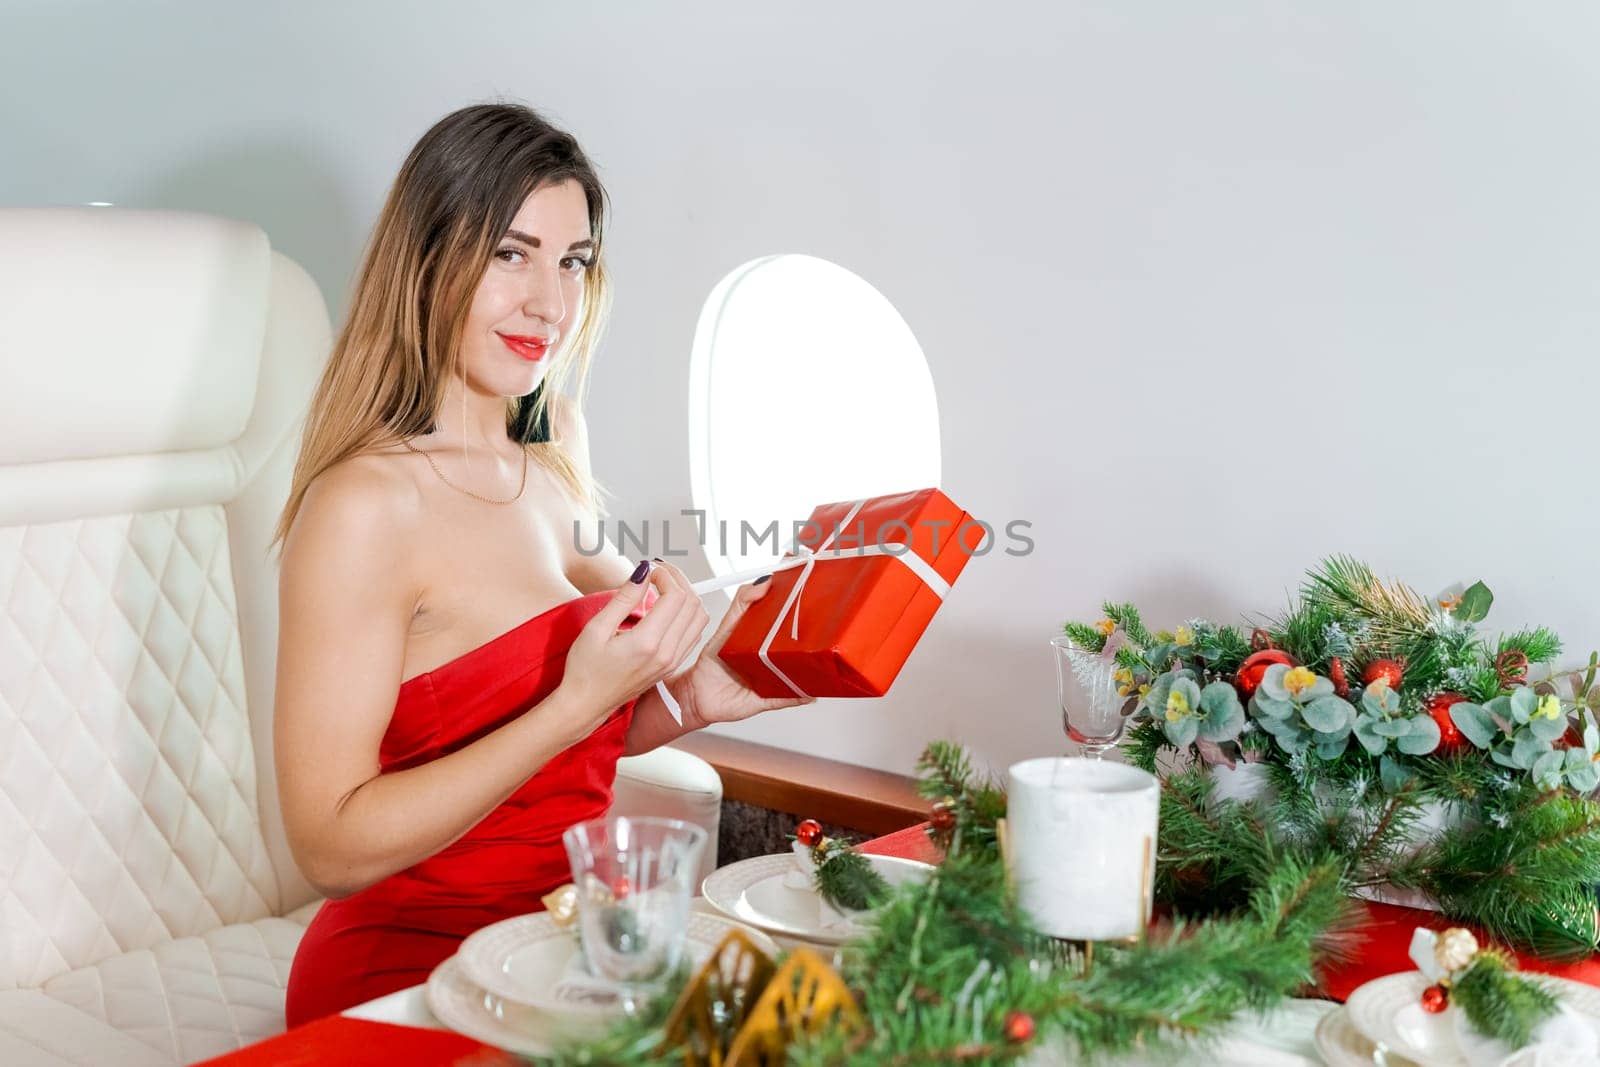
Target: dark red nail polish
[639, 572]
[763, 578]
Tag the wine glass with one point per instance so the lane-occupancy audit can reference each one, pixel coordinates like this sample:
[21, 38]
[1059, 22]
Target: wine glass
[1091, 707]
[634, 878]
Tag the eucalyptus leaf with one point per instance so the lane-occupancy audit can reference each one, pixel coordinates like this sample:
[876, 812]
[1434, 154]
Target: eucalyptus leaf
[1394, 775]
[1224, 715]
[1501, 754]
[1591, 735]
[1327, 713]
[1547, 729]
[1322, 687]
[1268, 708]
[1423, 738]
[1380, 700]
[1474, 723]
[1391, 728]
[1526, 749]
[1475, 603]
[1272, 684]
[1585, 778]
[1547, 769]
[1183, 732]
[1156, 699]
[1160, 655]
[1523, 704]
[1372, 742]
[1331, 750]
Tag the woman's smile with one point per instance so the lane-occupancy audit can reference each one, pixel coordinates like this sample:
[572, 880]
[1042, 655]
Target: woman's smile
[529, 348]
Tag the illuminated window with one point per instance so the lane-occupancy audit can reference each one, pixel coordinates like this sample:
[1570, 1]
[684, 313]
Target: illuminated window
[805, 387]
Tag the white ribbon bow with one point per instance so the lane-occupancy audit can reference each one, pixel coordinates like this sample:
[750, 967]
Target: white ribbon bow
[806, 559]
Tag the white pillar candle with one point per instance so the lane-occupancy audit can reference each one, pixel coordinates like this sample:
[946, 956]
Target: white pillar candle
[1082, 845]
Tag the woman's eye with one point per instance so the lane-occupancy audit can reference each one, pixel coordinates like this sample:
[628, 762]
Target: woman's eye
[504, 252]
[575, 264]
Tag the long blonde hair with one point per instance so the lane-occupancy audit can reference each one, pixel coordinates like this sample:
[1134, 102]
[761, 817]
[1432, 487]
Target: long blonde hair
[450, 206]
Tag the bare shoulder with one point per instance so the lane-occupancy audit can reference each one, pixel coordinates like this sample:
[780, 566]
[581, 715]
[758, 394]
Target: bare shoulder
[357, 517]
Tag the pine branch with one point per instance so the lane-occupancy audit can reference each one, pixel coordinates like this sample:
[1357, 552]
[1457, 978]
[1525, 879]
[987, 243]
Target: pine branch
[847, 880]
[1539, 644]
[1126, 616]
[1499, 1002]
[1084, 636]
[1395, 612]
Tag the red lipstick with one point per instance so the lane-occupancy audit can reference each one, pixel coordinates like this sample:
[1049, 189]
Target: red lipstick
[531, 349]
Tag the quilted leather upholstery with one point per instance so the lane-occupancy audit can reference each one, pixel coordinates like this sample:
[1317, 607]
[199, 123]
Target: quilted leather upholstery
[195, 997]
[124, 749]
[143, 866]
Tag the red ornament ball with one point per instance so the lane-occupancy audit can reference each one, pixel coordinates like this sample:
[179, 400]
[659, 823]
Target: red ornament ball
[1450, 737]
[942, 819]
[1435, 998]
[1248, 677]
[808, 832]
[1390, 670]
[621, 888]
[1019, 1027]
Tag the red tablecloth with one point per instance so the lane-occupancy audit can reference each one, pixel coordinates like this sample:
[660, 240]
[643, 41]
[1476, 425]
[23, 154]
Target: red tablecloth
[359, 1043]
[363, 1043]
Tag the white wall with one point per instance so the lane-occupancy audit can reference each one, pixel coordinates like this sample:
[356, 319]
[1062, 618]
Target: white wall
[1208, 291]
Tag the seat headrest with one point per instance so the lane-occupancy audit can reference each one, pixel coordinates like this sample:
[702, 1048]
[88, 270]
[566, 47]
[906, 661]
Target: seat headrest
[127, 332]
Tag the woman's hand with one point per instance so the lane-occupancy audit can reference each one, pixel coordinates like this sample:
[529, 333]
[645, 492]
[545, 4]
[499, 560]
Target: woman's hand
[607, 668]
[709, 692]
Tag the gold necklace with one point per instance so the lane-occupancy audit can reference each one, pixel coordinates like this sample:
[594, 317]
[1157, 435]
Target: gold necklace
[469, 492]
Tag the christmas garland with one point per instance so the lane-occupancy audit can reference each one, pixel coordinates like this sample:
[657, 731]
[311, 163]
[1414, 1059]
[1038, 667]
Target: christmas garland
[951, 970]
[1370, 707]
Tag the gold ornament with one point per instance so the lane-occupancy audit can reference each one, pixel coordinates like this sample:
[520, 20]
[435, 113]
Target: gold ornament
[804, 997]
[715, 1004]
[1455, 949]
[562, 904]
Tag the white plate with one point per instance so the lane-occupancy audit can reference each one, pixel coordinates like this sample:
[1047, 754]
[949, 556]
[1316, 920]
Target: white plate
[1389, 1011]
[1342, 1045]
[467, 1009]
[753, 891]
[522, 961]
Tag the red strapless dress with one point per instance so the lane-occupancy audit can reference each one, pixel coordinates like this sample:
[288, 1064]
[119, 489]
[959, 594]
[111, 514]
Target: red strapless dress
[393, 933]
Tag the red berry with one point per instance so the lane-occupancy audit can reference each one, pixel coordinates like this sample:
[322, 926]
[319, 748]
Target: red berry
[1390, 670]
[1435, 999]
[1450, 737]
[1255, 665]
[1019, 1026]
[621, 888]
[808, 832]
[1341, 684]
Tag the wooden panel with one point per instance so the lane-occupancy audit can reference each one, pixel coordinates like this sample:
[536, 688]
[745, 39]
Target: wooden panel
[871, 801]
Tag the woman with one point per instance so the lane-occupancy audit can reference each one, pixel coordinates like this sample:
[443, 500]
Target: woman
[455, 679]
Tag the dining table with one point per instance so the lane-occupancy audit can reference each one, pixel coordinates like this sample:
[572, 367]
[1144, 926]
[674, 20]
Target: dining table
[399, 1028]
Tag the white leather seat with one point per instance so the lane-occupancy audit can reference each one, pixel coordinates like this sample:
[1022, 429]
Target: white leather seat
[154, 368]
[676, 785]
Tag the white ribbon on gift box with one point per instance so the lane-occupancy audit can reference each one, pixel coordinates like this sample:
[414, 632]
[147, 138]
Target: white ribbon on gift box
[806, 559]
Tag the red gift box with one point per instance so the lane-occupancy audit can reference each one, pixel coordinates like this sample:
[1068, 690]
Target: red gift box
[859, 615]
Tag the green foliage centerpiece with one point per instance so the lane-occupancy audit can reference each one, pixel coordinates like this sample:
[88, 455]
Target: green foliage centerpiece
[1387, 726]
